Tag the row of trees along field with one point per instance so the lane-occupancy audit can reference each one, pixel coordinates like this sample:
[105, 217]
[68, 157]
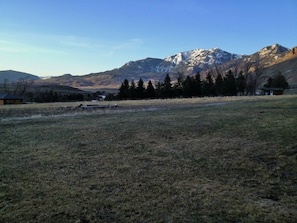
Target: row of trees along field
[192, 86]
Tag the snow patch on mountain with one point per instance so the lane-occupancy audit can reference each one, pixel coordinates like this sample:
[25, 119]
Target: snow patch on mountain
[187, 62]
[196, 59]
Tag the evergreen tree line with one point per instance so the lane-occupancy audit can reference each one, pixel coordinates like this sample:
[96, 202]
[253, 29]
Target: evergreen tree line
[190, 86]
[193, 86]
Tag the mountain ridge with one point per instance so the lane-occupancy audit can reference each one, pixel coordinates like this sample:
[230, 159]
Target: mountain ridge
[185, 63]
[200, 59]
[13, 76]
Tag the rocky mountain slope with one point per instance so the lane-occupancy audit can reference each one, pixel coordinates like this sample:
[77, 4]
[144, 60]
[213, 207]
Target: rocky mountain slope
[286, 65]
[266, 62]
[190, 62]
[155, 69]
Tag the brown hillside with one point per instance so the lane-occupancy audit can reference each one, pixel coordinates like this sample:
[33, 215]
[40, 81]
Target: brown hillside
[268, 62]
[287, 66]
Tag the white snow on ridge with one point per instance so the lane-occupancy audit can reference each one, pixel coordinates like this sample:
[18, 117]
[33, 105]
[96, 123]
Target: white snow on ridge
[197, 56]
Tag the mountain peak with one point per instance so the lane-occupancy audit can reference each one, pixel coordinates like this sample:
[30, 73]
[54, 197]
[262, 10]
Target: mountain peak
[273, 49]
[196, 60]
[186, 63]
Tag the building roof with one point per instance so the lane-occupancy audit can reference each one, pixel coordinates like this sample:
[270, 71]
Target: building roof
[10, 97]
[272, 89]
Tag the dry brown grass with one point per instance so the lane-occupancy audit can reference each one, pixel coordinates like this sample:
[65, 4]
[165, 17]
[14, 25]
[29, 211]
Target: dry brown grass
[187, 161]
[36, 110]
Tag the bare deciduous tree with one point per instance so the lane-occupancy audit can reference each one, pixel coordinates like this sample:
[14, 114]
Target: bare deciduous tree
[5, 86]
[21, 86]
[18, 88]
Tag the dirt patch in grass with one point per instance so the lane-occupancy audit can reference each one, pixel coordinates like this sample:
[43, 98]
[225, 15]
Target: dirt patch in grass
[187, 163]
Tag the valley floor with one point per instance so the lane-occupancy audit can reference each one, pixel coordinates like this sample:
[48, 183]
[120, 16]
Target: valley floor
[182, 160]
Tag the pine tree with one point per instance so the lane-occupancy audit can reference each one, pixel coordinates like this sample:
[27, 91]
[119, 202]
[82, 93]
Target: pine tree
[269, 82]
[197, 88]
[150, 90]
[241, 83]
[140, 88]
[279, 81]
[132, 90]
[124, 90]
[178, 86]
[208, 86]
[159, 90]
[229, 87]
[189, 85]
[219, 84]
[167, 87]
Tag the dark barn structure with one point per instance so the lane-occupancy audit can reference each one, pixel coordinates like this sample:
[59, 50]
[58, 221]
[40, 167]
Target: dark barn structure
[6, 99]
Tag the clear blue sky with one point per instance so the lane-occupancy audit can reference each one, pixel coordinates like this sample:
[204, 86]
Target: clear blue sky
[54, 37]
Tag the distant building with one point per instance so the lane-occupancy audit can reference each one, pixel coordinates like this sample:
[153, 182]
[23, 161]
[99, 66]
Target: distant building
[6, 99]
[273, 91]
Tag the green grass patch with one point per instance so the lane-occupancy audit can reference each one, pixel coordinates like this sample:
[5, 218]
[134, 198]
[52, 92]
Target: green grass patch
[192, 160]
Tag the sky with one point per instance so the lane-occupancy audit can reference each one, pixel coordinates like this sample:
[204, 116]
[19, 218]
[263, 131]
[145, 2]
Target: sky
[56, 37]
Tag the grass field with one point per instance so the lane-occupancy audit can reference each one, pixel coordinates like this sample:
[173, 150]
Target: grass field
[183, 160]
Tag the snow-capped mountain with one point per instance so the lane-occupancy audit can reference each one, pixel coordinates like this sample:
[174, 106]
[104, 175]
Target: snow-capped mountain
[187, 62]
[262, 61]
[196, 60]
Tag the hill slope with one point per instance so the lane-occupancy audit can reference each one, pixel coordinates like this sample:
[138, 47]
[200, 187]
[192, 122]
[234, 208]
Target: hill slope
[155, 69]
[13, 76]
[267, 62]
